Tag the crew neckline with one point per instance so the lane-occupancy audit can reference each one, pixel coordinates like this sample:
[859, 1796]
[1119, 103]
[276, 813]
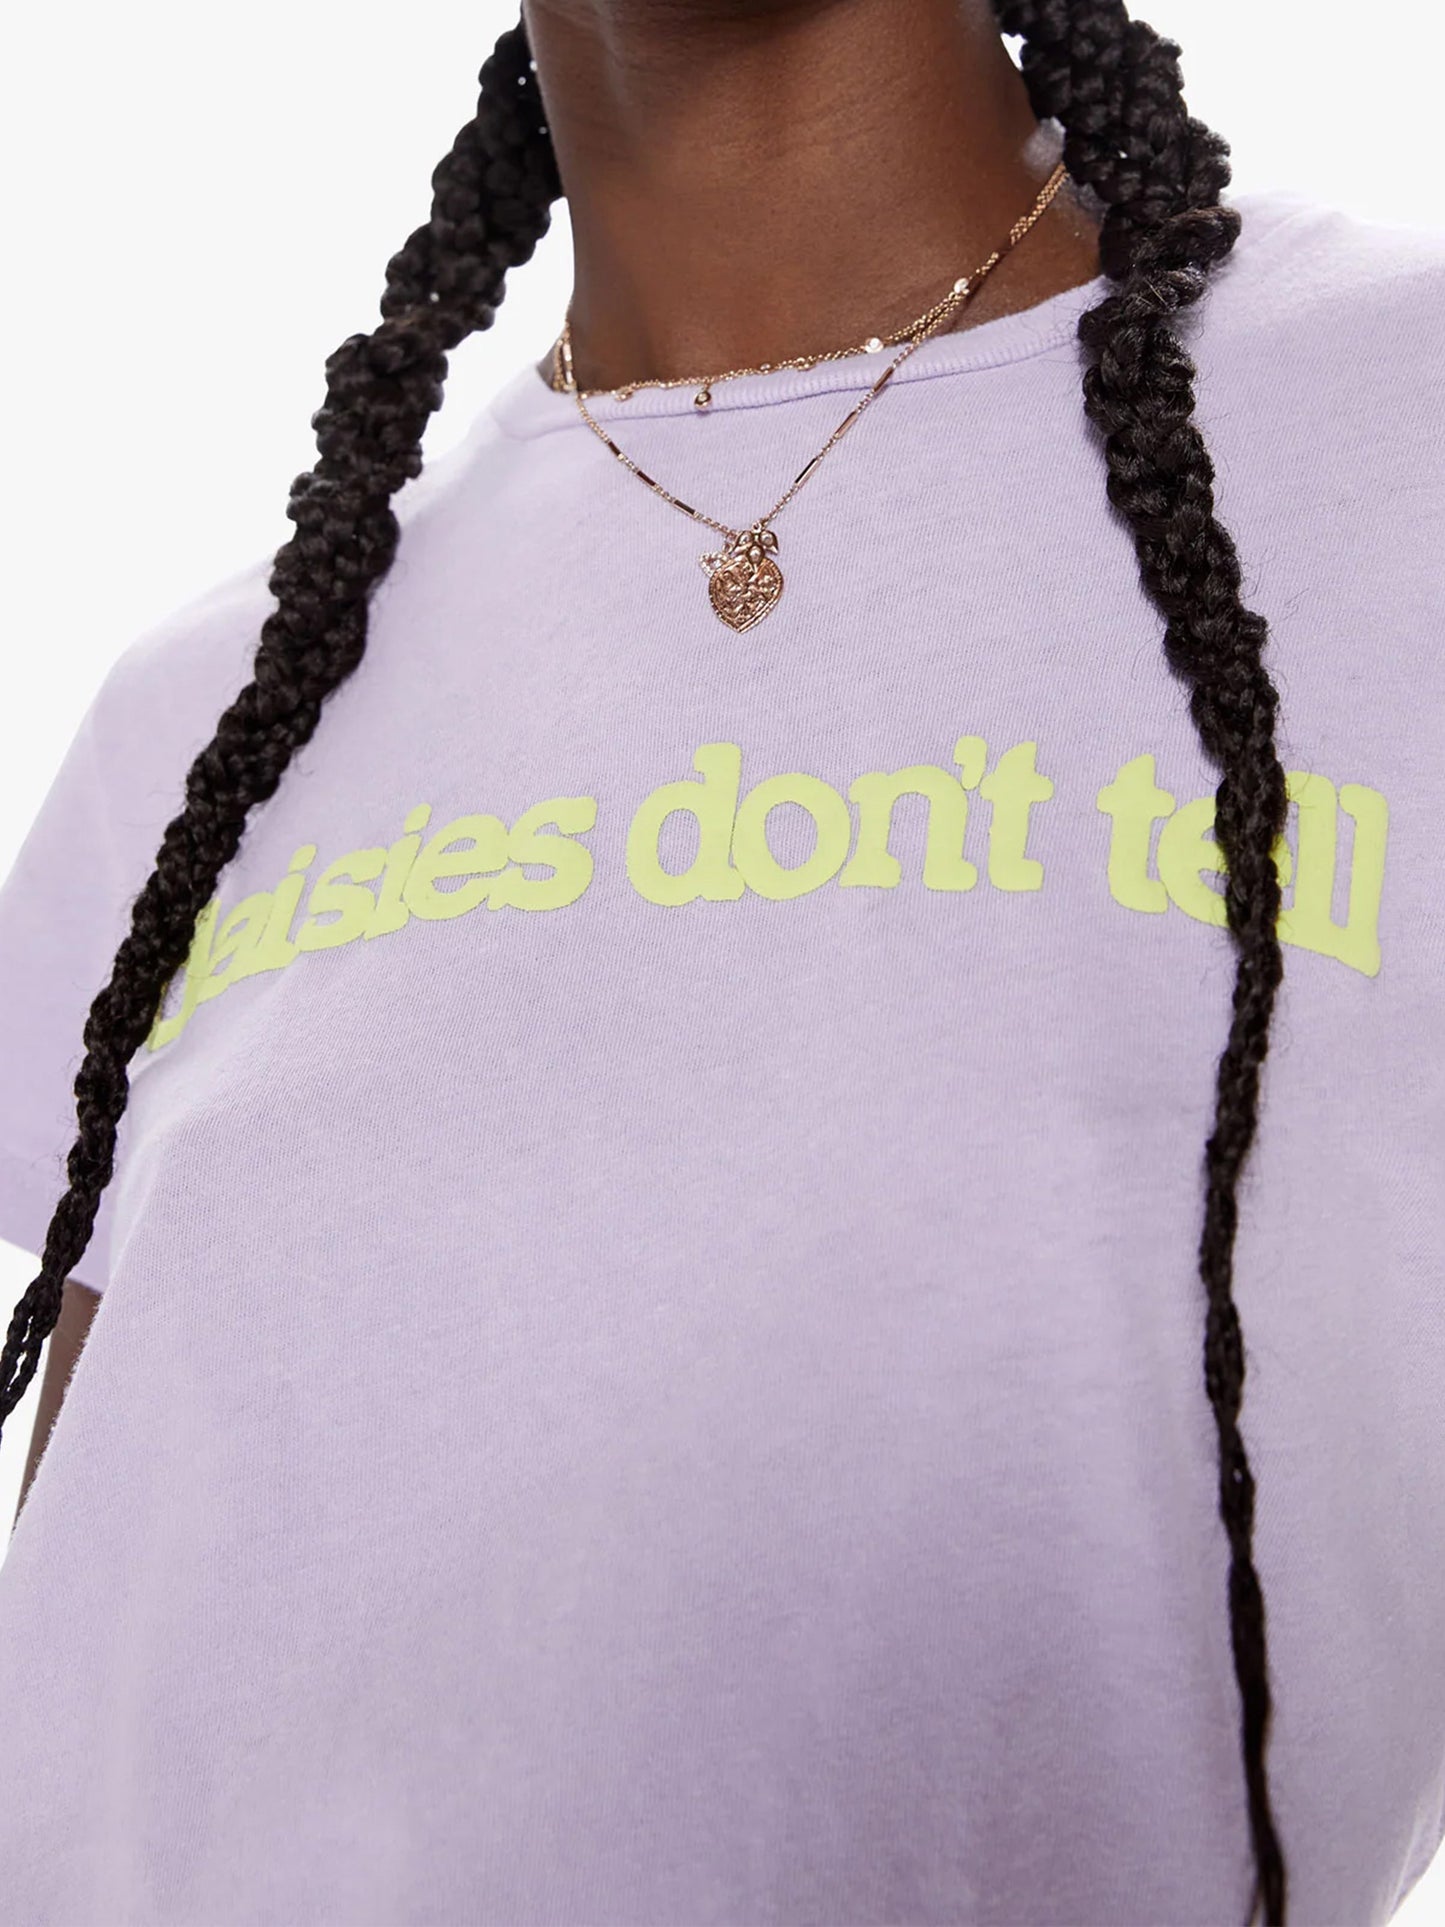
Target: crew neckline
[527, 405]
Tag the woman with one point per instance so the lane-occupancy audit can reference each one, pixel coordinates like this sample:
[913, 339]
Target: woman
[656, 1057]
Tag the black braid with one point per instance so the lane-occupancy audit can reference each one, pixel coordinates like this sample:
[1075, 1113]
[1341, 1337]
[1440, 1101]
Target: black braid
[492, 204]
[1114, 85]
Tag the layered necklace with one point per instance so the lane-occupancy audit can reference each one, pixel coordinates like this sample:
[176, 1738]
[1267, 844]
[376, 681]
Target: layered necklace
[744, 580]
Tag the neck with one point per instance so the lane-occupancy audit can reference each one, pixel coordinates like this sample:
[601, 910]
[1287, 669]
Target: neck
[748, 182]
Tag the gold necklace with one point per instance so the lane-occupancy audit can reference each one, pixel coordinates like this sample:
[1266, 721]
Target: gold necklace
[744, 580]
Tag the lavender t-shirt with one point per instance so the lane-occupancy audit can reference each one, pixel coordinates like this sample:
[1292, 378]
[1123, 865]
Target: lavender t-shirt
[650, 1366]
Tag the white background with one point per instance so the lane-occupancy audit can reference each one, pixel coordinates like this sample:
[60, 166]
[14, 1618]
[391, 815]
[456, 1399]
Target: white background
[199, 205]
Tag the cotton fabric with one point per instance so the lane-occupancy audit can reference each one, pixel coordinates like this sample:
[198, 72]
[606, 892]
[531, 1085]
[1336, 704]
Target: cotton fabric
[672, 1392]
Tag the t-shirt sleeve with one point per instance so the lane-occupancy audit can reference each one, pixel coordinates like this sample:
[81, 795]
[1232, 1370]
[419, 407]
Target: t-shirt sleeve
[67, 901]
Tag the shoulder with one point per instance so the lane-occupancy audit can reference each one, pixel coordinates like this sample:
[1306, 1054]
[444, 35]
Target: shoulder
[1318, 349]
[1312, 253]
[200, 650]
[1331, 294]
[159, 702]
[1319, 345]
[169, 684]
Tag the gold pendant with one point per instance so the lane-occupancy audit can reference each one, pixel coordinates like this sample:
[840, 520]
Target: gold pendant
[744, 581]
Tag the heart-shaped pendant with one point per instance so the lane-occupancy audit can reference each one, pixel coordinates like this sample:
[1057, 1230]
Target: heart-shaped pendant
[744, 582]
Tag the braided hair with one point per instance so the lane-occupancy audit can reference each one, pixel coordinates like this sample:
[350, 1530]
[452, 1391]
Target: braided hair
[1114, 86]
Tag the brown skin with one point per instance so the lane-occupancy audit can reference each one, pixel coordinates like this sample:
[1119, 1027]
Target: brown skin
[77, 1308]
[747, 182]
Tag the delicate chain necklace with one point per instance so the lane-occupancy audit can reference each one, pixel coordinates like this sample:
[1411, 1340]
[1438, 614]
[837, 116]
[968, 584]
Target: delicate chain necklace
[744, 580]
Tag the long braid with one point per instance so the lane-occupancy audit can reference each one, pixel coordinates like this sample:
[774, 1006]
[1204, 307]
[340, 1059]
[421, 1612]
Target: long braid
[1115, 86]
[492, 204]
